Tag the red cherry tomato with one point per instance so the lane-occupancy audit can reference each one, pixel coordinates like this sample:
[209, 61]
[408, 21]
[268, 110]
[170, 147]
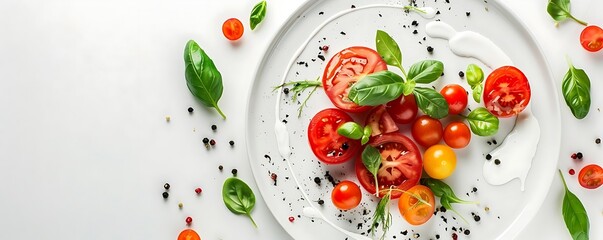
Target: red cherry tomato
[414, 211]
[401, 165]
[591, 38]
[456, 96]
[346, 195]
[457, 135]
[380, 121]
[188, 234]
[404, 109]
[346, 68]
[427, 131]
[328, 146]
[506, 92]
[233, 29]
[591, 176]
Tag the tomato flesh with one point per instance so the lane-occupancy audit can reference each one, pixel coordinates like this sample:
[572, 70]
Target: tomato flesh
[232, 29]
[404, 109]
[380, 121]
[506, 92]
[591, 176]
[188, 234]
[591, 38]
[346, 68]
[346, 195]
[457, 135]
[328, 146]
[456, 97]
[427, 131]
[401, 165]
[414, 211]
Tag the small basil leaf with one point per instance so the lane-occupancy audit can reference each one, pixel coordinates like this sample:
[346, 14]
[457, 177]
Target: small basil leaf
[350, 130]
[203, 79]
[576, 91]
[366, 135]
[431, 102]
[482, 122]
[574, 214]
[477, 92]
[426, 71]
[257, 14]
[238, 197]
[371, 158]
[475, 75]
[377, 88]
[408, 87]
[388, 49]
[560, 10]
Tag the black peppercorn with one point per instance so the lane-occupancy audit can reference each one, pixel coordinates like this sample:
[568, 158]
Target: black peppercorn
[598, 141]
[430, 49]
[220, 168]
[286, 91]
[461, 74]
[488, 157]
[234, 171]
[205, 140]
[497, 162]
[467, 232]
[231, 143]
[166, 195]
[477, 218]
[214, 127]
[190, 109]
[166, 186]
[317, 180]
[321, 202]
[579, 155]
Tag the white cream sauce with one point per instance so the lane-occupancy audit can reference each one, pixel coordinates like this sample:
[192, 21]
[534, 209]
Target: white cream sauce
[514, 156]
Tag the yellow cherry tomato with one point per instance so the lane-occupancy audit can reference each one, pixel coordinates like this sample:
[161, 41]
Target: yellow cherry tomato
[439, 161]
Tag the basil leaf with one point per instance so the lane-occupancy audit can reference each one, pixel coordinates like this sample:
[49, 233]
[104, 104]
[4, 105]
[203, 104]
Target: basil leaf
[238, 197]
[576, 91]
[371, 158]
[560, 10]
[442, 190]
[426, 71]
[431, 102]
[388, 49]
[574, 214]
[377, 88]
[366, 135]
[482, 122]
[350, 130]
[257, 14]
[474, 75]
[477, 92]
[203, 79]
[408, 87]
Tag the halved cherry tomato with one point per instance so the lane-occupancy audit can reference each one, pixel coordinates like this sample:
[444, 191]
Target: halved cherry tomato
[457, 135]
[233, 29]
[400, 165]
[326, 143]
[414, 211]
[427, 131]
[591, 176]
[188, 234]
[346, 195]
[439, 161]
[404, 109]
[591, 38]
[506, 92]
[456, 96]
[346, 68]
[380, 121]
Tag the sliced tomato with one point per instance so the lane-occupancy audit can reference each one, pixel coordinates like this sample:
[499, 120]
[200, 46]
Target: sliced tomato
[506, 92]
[188, 234]
[401, 165]
[591, 38]
[591, 176]
[380, 121]
[346, 68]
[328, 146]
[415, 211]
[404, 109]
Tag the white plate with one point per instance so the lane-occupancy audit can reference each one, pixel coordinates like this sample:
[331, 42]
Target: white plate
[509, 209]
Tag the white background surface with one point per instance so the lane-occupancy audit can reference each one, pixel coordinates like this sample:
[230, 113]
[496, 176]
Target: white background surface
[85, 87]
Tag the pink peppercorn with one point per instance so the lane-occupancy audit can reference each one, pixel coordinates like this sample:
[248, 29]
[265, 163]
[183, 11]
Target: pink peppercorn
[189, 220]
[198, 190]
[572, 171]
[291, 219]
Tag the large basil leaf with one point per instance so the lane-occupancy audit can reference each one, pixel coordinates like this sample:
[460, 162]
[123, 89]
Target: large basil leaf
[574, 214]
[431, 102]
[482, 122]
[426, 71]
[203, 79]
[257, 14]
[576, 91]
[560, 10]
[377, 88]
[238, 197]
[388, 49]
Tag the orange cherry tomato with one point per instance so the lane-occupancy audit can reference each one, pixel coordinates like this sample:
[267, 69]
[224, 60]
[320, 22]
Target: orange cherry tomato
[188, 234]
[233, 29]
[346, 195]
[414, 211]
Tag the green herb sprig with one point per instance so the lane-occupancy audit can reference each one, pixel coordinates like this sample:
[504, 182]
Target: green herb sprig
[560, 10]
[382, 215]
[445, 193]
[298, 88]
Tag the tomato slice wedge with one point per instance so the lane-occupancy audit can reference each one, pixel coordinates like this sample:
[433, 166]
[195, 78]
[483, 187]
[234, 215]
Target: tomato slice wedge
[401, 165]
[506, 92]
[346, 68]
[328, 146]
[591, 176]
[380, 121]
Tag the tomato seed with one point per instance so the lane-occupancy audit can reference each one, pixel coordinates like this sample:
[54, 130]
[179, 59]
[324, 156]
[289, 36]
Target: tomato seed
[198, 190]
[291, 219]
[189, 220]
[572, 171]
